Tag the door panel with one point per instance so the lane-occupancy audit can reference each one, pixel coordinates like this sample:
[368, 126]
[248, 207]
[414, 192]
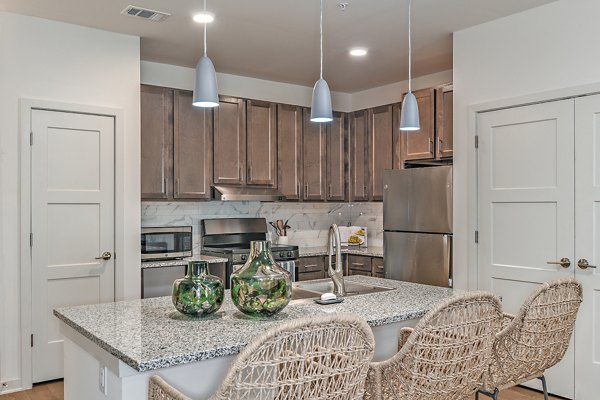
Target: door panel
[230, 142]
[587, 246]
[419, 145]
[314, 150]
[444, 130]
[289, 150]
[336, 158]
[72, 224]
[156, 142]
[380, 148]
[526, 207]
[359, 155]
[261, 143]
[193, 149]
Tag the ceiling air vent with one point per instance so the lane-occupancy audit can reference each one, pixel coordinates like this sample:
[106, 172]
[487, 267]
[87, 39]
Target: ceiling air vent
[135, 11]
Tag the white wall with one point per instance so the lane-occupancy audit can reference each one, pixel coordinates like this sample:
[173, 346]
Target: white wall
[549, 48]
[233, 85]
[46, 60]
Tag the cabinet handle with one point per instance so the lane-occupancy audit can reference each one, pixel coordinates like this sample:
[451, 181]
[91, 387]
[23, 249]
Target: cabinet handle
[164, 188]
[299, 191]
[250, 174]
[305, 189]
[430, 145]
[177, 186]
[242, 174]
[329, 195]
[440, 141]
[365, 191]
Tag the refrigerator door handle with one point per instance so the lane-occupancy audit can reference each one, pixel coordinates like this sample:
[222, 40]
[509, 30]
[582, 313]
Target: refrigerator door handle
[447, 244]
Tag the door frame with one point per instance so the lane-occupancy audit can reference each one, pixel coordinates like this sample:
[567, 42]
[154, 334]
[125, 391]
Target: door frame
[26, 106]
[466, 167]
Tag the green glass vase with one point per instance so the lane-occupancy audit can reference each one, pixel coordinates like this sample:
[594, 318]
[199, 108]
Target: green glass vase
[261, 288]
[198, 293]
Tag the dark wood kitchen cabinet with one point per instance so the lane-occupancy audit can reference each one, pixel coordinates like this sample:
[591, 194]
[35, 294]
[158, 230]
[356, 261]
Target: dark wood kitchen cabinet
[289, 151]
[314, 158]
[420, 145]
[156, 142]
[359, 265]
[261, 141]
[176, 146]
[377, 267]
[192, 150]
[336, 158]
[380, 148]
[359, 155]
[443, 121]
[230, 141]
[311, 268]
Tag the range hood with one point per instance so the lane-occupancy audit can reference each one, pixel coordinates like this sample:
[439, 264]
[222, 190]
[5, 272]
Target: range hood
[234, 193]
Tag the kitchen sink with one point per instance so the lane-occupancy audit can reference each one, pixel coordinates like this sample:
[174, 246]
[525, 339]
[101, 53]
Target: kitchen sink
[313, 289]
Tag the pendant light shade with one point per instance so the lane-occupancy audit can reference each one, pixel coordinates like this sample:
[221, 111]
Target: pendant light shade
[206, 94]
[409, 117]
[321, 110]
[321, 103]
[205, 91]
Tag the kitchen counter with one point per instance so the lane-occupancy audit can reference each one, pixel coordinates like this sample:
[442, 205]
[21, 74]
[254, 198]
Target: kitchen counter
[150, 334]
[371, 251]
[178, 263]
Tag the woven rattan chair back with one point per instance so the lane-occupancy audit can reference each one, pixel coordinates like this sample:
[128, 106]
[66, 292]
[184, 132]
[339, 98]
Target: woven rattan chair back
[446, 355]
[158, 389]
[321, 357]
[538, 336]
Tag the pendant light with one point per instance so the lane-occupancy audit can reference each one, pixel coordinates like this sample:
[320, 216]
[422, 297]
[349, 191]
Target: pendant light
[321, 99]
[205, 91]
[409, 118]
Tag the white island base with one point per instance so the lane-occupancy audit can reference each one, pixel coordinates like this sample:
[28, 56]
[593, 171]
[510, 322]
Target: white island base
[91, 373]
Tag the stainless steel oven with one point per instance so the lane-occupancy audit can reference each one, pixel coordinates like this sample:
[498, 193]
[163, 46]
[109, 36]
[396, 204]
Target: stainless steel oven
[165, 243]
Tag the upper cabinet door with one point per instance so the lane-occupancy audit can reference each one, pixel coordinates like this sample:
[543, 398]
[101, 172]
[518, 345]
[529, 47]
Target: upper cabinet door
[381, 148]
[156, 142]
[420, 145]
[261, 137]
[314, 146]
[192, 149]
[397, 154]
[289, 151]
[336, 158]
[443, 124]
[359, 155]
[230, 141]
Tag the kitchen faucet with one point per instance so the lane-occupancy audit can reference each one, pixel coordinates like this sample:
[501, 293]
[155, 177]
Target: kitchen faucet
[336, 274]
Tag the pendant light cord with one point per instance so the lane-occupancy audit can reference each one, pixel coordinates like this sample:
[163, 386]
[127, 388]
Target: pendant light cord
[205, 30]
[321, 34]
[409, 47]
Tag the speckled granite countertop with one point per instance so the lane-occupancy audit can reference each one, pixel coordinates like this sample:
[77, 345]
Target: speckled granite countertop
[177, 263]
[362, 251]
[150, 334]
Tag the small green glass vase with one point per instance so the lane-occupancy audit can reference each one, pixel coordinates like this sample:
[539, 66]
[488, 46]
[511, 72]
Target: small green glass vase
[261, 288]
[198, 293]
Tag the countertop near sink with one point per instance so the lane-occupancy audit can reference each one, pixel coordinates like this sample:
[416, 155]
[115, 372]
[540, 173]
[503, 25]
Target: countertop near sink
[177, 263]
[370, 251]
[150, 334]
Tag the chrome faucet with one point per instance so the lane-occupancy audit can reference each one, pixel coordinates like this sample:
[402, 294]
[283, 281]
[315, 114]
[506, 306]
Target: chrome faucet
[336, 273]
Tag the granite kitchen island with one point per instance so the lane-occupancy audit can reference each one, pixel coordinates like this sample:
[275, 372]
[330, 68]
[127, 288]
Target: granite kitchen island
[111, 350]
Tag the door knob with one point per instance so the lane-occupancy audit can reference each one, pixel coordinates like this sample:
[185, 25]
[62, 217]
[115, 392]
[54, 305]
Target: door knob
[105, 256]
[564, 262]
[583, 264]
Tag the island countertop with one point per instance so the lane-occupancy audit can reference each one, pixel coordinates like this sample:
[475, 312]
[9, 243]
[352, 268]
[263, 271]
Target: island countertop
[150, 334]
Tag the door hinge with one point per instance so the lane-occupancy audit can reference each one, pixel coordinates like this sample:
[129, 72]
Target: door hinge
[31, 138]
[476, 141]
[476, 236]
[31, 239]
[32, 340]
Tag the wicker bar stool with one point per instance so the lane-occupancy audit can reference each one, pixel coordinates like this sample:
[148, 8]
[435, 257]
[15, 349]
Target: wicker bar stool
[320, 357]
[536, 338]
[444, 357]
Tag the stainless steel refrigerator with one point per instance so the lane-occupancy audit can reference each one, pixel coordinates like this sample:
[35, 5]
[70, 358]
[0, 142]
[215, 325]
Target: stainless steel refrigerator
[417, 225]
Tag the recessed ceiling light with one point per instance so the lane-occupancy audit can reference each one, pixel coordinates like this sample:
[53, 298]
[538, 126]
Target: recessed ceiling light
[358, 52]
[204, 17]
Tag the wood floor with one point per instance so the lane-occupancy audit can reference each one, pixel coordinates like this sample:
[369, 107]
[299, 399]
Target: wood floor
[54, 391]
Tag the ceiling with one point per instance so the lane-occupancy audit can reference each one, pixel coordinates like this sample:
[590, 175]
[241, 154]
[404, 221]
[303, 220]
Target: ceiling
[279, 39]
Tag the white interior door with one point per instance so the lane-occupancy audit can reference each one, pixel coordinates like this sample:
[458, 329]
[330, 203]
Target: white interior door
[526, 207]
[72, 205]
[587, 245]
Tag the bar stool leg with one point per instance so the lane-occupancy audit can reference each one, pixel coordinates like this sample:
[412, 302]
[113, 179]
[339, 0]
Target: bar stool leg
[545, 388]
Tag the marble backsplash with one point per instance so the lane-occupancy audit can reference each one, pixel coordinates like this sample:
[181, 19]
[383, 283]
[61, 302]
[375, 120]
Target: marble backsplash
[309, 221]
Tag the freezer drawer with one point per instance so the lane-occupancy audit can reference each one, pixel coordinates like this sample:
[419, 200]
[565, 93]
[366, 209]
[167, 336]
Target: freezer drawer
[418, 257]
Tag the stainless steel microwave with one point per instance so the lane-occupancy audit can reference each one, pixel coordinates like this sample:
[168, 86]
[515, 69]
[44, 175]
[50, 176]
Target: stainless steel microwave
[164, 243]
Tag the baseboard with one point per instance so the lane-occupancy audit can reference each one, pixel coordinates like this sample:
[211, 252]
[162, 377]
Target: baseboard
[11, 386]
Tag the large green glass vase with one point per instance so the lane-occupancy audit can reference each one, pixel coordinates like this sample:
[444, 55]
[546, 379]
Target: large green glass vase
[198, 293]
[261, 288]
